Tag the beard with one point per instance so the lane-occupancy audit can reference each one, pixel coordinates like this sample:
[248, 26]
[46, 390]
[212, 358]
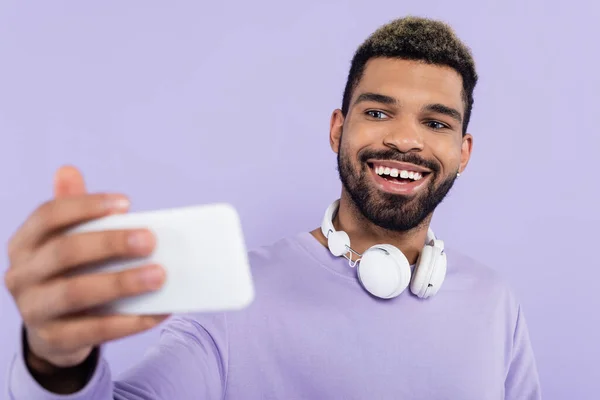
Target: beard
[389, 211]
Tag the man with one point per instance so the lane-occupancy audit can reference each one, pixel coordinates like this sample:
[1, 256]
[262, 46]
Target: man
[363, 307]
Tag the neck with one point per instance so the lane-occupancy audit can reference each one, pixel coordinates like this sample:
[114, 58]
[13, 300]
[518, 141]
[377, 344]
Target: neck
[364, 234]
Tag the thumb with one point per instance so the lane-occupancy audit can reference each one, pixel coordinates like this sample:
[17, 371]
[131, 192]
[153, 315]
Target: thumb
[68, 181]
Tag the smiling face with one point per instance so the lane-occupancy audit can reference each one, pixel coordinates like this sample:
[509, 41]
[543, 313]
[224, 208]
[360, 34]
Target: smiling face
[401, 144]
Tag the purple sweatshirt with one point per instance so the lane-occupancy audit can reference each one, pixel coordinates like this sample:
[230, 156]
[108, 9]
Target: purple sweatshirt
[314, 333]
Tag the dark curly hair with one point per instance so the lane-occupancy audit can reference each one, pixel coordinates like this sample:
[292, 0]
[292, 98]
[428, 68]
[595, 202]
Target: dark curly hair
[420, 39]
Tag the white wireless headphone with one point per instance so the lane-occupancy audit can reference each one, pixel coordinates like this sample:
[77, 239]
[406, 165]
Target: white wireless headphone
[383, 270]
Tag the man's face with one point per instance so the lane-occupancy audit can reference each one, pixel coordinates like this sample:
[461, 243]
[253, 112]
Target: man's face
[401, 144]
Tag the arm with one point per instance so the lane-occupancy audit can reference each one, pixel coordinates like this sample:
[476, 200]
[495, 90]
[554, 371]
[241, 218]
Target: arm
[522, 380]
[189, 361]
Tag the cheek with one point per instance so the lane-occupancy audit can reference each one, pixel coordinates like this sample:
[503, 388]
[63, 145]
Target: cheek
[448, 153]
[349, 146]
[361, 134]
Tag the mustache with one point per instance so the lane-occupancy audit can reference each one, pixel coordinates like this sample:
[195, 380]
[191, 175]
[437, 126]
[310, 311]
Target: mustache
[394, 155]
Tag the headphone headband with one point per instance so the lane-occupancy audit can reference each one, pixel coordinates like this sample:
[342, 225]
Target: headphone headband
[327, 224]
[327, 227]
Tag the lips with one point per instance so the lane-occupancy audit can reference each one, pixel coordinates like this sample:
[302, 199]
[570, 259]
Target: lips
[399, 178]
[398, 166]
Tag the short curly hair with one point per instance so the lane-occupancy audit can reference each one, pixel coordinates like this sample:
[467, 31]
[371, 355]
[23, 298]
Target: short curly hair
[421, 39]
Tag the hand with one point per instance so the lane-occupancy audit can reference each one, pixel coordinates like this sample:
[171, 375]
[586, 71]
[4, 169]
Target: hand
[53, 304]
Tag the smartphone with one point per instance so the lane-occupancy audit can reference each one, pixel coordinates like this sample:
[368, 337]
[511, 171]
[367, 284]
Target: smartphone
[203, 251]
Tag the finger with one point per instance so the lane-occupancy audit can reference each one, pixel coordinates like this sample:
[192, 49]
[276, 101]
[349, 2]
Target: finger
[68, 181]
[83, 292]
[65, 212]
[73, 333]
[62, 253]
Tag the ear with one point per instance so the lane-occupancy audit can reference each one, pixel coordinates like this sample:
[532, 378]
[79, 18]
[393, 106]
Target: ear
[336, 126]
[465, 151]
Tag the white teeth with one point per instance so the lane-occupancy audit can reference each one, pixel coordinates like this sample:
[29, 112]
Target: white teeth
[394, 172]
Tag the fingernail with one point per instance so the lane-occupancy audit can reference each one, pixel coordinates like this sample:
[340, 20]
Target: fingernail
[117, 203]
[152, 277]
[140, 240]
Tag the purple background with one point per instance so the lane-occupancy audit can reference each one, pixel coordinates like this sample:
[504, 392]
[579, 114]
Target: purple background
[178, 103]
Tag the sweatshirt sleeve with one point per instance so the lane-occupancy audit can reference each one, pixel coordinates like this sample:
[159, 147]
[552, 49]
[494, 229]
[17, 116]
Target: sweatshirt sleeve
[189, 361]
[522, 380]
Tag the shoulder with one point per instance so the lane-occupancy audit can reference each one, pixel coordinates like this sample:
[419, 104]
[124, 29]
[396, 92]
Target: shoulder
[462, 263]
[276, 253]
[267, 262]
[469, 275]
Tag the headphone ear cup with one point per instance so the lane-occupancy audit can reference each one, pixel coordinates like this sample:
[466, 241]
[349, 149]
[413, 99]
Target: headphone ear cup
[429, 273]
[384, 271]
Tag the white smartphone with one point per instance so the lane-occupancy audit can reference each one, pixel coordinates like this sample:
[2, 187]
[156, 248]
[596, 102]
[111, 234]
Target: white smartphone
[203, 251]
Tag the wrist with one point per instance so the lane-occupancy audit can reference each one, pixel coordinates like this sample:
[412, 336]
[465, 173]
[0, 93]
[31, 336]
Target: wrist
[62, 380]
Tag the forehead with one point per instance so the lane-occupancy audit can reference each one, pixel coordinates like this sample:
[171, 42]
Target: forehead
[412, 82]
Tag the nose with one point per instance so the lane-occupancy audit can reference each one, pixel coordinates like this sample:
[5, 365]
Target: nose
[405, 138]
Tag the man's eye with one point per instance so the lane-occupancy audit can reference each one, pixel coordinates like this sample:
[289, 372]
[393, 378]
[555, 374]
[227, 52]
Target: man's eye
[436, 125]
[376, 114]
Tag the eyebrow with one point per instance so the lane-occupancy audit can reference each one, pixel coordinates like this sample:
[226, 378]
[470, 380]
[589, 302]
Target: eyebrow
[388, 100]
[445, 110]
[375, 97]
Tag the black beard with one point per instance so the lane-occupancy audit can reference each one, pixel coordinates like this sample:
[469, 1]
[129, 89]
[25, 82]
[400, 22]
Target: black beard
[389, 211]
